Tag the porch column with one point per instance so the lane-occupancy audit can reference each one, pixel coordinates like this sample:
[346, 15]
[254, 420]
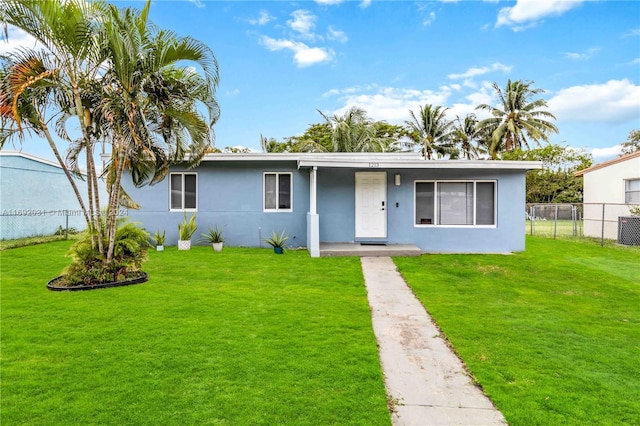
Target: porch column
[313, 219]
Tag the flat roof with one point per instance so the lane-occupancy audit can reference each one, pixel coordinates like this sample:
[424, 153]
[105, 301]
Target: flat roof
[369, 160]
[406, 160]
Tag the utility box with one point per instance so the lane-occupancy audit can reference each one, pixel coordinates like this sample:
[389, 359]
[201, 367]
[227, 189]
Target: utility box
[629, 230]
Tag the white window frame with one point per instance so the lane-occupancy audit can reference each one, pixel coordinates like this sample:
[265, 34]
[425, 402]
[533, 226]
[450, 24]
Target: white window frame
[183, 174]
[628, 192]
[436, 217]
[264, 192]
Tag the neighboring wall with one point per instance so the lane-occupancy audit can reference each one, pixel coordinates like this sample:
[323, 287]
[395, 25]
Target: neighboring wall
[229, 196]
[336, 205]
[606, 185]
[36, 197]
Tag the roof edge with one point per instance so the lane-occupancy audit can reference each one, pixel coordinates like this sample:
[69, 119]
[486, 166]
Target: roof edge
[607, 163]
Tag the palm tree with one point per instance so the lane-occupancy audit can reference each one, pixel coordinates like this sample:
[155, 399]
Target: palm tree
[354, 132]
[465, 134]
[518, 119]
[126, 83]
[431, 131]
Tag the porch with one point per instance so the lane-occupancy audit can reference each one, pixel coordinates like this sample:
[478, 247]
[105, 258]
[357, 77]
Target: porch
[368, 250]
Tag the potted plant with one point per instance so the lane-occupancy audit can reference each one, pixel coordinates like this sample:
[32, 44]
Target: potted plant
[186, 229]
[277, 241]
[214, 237]
[159, 239]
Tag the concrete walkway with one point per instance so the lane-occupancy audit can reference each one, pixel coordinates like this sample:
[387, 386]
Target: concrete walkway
[424, 377]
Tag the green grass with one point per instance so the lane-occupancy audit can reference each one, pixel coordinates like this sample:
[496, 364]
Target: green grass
[242, 337]
[30, 241]
[552, 334]
[560, 228]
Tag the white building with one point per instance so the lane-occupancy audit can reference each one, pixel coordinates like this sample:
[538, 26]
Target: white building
[609, 189]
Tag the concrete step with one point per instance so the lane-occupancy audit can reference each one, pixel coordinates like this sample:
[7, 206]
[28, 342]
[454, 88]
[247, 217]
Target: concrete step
[368, 250]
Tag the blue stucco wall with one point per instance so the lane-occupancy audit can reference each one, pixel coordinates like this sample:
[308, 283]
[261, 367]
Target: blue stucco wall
[336, 205]
[35, 198]
[230, 195]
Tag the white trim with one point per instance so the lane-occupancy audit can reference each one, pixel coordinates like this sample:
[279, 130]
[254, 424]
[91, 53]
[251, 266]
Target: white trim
[277, 209]
[313, 190]
[34, 158]
[368, 160]
[375, 163]
[436, 216]
[182, 209]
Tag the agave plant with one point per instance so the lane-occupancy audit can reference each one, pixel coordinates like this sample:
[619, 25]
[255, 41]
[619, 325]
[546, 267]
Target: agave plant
[277, 240]
[187, 228]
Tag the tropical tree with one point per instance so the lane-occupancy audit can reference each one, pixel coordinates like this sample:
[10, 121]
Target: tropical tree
[431, 131]
[354, 132]
[466, 136]
[556, 181]
[125, 82]
[519, 119]
[632, 144]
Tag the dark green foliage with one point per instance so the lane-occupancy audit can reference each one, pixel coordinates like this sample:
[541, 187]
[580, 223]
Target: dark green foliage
[632, 144]
[277, 239]
[556, 182]
[88, 266]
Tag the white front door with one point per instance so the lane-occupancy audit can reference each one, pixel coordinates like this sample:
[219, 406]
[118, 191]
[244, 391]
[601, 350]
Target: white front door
[371, 205]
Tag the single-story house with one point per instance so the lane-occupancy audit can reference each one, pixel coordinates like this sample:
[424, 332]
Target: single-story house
[445, 206]
[36, 197]
[609, 189]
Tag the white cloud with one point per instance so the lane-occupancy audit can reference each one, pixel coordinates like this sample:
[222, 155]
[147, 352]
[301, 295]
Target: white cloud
[17, 39]
[333, 34]
[527, 12]
[365, 4]
[303, 55]
[263, 19]
[329, 2]
[587, 54]
[605, 153]
[476, 71]
[388, 103]
[234, 92]
[197, 3]
[429, 20]
[636, 61]
[633, 33]
[303, 22]
[616, 101]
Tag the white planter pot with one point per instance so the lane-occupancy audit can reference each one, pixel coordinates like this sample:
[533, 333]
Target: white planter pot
[184, 244]
[217, 246]
[159, 248]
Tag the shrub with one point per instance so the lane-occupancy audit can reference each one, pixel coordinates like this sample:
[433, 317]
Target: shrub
[88, 266]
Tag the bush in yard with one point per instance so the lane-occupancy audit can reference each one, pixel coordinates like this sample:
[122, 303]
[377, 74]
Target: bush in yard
[89, 268]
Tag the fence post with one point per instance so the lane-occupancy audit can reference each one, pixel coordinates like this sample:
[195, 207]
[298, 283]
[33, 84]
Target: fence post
[555, 221]
[602, 226]
[66, 215]
[574, 218]
[531, 211]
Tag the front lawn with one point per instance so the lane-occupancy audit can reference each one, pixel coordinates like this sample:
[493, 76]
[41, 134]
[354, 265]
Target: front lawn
[242, 337]
[552, 334]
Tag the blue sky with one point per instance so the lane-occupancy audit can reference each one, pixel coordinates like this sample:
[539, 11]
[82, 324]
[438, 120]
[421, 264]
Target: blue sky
[281, 61]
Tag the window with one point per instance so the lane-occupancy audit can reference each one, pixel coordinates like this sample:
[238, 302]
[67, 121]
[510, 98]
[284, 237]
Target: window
[183, 187]
[632, 191]
[455, 203]
[277, 192]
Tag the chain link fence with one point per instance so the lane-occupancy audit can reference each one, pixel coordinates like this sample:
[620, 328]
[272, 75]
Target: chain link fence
[24, 223]
[604, 221]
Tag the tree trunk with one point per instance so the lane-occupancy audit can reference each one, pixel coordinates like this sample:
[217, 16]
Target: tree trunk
[67, 173]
